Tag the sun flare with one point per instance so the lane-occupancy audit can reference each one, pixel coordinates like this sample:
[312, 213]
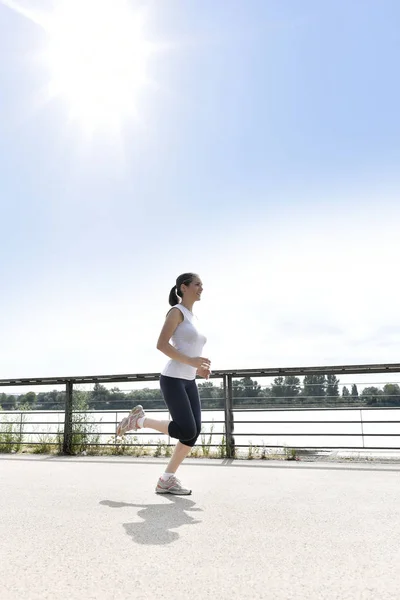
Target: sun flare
[97, 55]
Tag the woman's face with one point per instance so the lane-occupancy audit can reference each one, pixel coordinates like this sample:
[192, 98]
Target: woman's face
[193, 290]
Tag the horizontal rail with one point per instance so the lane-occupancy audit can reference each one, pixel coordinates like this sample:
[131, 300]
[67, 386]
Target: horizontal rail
[218, 374]
[204, 422]
[327, 447]
[289, 434]
[312, 422]
[113, 423]
[265, 434]
[305, 408]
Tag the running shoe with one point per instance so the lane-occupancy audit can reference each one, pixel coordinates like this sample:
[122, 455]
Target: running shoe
[172, 486]
[130, 422]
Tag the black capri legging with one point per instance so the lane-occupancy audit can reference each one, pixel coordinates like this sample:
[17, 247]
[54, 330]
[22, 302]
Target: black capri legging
[182, 399]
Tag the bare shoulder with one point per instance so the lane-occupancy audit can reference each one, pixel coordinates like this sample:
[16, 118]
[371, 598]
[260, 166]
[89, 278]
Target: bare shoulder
[173, 319]
[174, 315]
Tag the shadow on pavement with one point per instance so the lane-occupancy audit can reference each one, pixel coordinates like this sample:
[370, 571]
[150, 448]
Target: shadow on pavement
[158, 520]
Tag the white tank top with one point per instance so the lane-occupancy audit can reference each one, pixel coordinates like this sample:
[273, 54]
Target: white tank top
[188, 340]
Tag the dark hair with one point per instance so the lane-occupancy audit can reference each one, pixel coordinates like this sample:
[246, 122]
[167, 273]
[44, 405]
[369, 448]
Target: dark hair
[175, 294]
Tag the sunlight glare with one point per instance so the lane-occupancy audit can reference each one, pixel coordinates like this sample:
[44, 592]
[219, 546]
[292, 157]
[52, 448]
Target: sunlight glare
[97, 56]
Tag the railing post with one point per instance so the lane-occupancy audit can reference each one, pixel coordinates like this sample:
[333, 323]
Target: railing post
[362, 428]
[67, 445]
[229, 422]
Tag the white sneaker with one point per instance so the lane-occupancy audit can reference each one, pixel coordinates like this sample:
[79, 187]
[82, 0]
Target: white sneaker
[171, 486]
[130, 422]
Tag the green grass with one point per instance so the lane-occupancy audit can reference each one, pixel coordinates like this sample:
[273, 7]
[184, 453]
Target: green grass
[85, 432]
[47, 444]
[10, 436]
[206, 443]
[291, 454]
[252, 451]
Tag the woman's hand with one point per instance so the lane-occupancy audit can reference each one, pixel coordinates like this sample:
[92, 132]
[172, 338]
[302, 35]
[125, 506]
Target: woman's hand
[200, 362]
[204, 372]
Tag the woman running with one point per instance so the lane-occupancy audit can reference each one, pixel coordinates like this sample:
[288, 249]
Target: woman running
[177, 380]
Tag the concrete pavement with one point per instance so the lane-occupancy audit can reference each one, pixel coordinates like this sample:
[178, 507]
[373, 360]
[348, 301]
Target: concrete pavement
[88, 528]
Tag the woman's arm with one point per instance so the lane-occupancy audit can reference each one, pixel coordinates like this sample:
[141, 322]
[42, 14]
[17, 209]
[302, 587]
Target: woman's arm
[172, 321]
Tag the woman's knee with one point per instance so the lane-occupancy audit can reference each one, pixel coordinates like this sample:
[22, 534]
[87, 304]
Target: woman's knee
[191, 441]
[189, 432]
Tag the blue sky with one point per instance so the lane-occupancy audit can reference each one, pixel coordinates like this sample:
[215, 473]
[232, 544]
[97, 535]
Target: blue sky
[264, 156]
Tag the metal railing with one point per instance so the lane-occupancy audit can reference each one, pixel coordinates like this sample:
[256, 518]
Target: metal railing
[229, 410]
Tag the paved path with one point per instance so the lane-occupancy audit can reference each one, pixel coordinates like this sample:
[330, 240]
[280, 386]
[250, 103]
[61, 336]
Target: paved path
[92, 528]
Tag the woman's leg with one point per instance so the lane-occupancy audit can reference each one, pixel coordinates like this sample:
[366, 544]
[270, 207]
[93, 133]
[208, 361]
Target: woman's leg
[183, 426]
[175, 396]
[182, 399]
[183, 448]
[180, 453]
[157, 424]
[183, 402]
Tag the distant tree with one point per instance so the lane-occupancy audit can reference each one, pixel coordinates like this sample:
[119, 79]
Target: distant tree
[314, 386]
[345, 392]
[207, 389]
[265, 392]
[371, 396]
[391, 394]
[278, 388]
[115, 399]
[8, 401]
[332, 387]
[354, 391]
[99, 397]
[149, 397]
[285, 387]
[245, 391]
[292, 385]
[245, 388]
[28, 401]
[53, 400]
[212, 396]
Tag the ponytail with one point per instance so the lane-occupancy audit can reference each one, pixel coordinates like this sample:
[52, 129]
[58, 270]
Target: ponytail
[173, 297]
